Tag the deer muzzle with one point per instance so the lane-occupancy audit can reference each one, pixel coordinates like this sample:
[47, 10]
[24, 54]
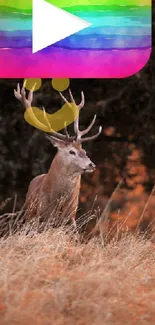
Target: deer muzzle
[90, 168]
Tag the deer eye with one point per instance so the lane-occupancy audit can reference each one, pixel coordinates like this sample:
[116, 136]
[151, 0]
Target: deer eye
[72, 152]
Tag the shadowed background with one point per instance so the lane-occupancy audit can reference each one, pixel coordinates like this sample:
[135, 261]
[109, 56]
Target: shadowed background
[126, 147]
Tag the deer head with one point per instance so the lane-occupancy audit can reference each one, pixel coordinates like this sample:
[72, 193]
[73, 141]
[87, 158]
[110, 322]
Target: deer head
[70, 151]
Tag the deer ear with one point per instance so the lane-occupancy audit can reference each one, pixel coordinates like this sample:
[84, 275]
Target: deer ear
[56, 142]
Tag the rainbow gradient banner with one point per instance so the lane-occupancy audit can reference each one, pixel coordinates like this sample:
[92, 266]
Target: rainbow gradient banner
[116, 45]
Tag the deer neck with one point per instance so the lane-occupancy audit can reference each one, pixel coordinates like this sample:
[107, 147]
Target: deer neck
[62, 178]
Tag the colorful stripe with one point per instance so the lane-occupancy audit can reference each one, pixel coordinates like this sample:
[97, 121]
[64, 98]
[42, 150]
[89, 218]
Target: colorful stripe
[118, 44]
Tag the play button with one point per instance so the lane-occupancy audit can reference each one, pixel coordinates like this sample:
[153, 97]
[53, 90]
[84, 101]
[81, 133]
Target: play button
[52, 24]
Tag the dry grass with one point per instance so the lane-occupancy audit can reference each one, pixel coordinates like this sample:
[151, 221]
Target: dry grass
[52, 278]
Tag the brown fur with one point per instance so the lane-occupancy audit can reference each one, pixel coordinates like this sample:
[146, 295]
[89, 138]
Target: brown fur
[46, 191]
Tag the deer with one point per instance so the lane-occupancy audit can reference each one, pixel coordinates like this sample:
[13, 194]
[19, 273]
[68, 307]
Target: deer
[62, 182]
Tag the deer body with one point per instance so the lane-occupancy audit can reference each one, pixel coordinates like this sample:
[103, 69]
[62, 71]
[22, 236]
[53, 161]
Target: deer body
[57, 192]
[46, 191]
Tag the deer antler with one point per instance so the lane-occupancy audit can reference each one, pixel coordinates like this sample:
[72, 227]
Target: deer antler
[79, 133]
[20, 94]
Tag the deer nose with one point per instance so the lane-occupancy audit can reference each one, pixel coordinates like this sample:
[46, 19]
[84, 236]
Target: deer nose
[92, 165]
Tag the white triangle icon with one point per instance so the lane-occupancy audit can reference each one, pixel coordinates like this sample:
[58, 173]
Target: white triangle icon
[52, 24]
